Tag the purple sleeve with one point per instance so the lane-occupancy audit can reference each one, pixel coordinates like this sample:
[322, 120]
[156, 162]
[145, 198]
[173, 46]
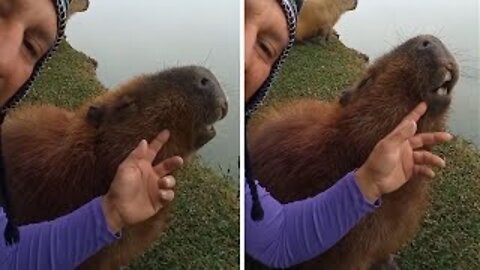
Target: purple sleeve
[59, 244]
[296, 232]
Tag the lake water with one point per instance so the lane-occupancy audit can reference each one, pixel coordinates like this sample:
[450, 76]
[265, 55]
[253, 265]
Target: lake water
[378, 25]
[129, 37]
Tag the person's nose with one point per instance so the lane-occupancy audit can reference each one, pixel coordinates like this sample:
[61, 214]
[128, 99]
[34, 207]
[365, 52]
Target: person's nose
[11, 36]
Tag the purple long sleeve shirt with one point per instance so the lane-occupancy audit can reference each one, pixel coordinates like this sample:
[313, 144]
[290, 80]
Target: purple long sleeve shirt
[296, 232]
[59, 244]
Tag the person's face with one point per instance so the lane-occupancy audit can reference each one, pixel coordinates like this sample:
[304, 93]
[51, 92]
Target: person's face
[27, 30]
[266, 35]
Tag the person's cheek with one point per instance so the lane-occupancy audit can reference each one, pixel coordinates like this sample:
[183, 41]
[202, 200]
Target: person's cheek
[255, 77]
[11, 85]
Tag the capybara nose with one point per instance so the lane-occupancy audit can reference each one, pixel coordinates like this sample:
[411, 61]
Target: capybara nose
[428, 42]
[205, 83]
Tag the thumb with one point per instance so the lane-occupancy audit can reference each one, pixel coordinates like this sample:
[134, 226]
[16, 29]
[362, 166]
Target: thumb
[403, 132]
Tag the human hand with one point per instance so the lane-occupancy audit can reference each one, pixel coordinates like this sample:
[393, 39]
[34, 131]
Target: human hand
[397, 157]
[139, 189]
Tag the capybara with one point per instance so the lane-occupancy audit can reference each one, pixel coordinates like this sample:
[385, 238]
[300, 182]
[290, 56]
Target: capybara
[58, 160]
[77, 6]
[317, 18]
[303, 147]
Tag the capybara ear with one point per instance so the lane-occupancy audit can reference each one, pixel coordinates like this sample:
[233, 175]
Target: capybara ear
[346, 97]
[95, 115]
[123, 103]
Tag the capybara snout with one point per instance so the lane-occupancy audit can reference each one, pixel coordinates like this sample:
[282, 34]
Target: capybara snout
[209, 88]
[186, 100]
[420, 69]
[438, 66]
[433, 71]
[201, 87]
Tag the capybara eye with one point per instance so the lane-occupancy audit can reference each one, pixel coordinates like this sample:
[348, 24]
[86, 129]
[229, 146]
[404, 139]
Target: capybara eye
[124, 103]
[95, 115]
[345, 97]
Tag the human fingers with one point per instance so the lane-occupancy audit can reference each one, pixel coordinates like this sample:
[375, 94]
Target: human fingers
[168, 165]
[404, 131]
[139, 151]
[416, 113]
[427, 158]
[167, 182]
[156, 144]
[166, 195]
[430, 138]
[423, 170]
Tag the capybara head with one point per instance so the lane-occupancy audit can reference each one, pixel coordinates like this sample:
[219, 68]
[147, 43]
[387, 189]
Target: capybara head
[78, 6]
[185, 100]
[420, 69]
[349, 4]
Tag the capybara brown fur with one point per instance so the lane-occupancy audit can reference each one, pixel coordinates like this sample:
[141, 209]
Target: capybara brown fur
[301, 148]
[317, 18]
[77, 6]
[57, 160]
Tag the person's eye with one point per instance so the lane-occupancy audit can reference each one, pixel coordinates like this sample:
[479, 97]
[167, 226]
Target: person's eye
[31, 49]
[266, 49]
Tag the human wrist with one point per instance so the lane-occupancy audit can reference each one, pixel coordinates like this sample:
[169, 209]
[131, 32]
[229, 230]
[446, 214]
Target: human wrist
[367, 185]
[112, 217]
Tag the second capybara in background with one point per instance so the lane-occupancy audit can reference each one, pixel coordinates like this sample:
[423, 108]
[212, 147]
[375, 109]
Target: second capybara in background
[77, 6]
[317, 18]
[301, 148]
[57, 160]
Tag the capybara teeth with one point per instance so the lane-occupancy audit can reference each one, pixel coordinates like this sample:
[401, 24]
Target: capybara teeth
[448, 76]
[442, 91]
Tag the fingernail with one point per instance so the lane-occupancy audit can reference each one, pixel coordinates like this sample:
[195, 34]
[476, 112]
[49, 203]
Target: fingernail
[180, 160]
[168, 181]
[412, 127]
[167, 195]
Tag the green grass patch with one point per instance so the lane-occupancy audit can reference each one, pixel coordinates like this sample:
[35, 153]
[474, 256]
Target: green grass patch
[67, 81]
[204, 233]
[450, 234]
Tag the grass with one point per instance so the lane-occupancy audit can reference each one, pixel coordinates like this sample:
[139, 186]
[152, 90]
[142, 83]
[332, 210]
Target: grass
[450, 234]
[204, 233]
